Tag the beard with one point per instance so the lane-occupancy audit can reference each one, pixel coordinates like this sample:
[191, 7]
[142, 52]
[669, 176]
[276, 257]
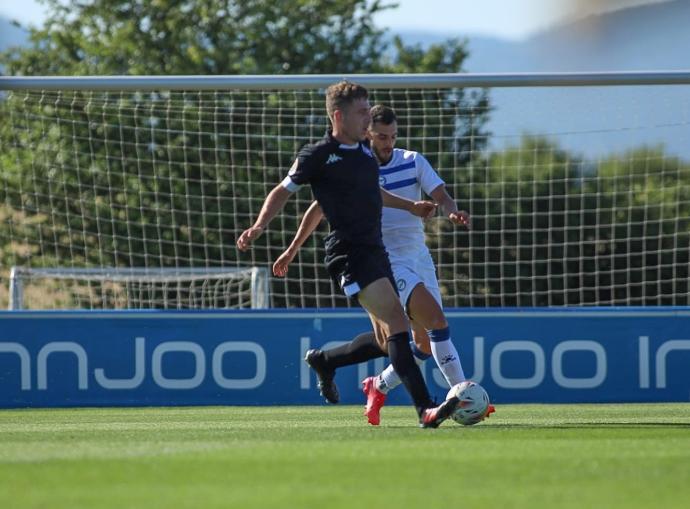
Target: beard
[383, 157]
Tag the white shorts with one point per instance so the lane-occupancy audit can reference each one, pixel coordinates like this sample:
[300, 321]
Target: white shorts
[411, 270]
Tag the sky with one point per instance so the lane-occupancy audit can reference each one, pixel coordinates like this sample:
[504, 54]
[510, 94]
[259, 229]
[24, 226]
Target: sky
[506, 19]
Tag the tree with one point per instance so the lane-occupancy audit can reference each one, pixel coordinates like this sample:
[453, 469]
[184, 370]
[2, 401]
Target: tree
[154, 218]
[550, 229]
[638, 236]
[215, 37]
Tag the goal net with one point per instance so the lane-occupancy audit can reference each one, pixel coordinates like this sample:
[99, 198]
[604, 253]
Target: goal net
[133, 198]
[137, 288]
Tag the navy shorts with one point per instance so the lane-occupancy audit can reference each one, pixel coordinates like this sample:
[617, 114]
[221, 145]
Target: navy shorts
[354, 267]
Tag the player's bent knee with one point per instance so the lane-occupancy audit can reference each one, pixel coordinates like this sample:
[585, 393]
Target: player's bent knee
[438, 323]
[432, 321]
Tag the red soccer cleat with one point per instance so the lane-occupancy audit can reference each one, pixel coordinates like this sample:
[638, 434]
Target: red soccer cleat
[375, 400]
[433, 417]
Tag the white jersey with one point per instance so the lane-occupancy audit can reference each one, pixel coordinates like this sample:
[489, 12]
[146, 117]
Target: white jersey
[407, 174]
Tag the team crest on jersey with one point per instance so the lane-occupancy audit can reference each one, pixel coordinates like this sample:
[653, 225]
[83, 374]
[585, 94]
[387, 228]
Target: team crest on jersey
[382, 181]
[401, 284]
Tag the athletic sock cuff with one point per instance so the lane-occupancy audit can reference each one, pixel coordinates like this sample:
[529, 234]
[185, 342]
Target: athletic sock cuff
[418, 353]
[438, 335]
[402, 337]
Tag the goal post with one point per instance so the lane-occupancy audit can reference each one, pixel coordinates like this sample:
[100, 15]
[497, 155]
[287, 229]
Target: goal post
[578, 185]
[144, 288]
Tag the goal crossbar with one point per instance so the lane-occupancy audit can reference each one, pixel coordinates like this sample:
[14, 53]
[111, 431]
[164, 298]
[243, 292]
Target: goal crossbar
[289, 82]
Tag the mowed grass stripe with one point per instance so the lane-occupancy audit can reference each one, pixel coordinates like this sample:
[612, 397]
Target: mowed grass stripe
[525, 456]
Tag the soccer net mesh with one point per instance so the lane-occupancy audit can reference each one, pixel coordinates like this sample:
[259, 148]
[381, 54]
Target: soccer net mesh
[134, 199]
[140, 288]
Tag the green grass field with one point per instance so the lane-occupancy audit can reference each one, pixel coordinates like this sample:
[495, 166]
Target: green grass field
[525, 456]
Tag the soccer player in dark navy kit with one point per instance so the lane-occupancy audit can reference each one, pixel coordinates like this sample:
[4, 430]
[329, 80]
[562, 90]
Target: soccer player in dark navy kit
[344, 178]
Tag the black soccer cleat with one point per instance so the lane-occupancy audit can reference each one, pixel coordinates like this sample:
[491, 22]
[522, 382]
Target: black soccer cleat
[433, 417]
[325, 375]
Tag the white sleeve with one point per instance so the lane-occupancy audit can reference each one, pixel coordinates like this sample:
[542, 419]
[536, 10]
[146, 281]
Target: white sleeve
[287, 182]
[427, 177]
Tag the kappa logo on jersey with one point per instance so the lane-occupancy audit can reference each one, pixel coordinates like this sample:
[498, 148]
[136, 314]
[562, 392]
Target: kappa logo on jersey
[333, 158]
[401, 284]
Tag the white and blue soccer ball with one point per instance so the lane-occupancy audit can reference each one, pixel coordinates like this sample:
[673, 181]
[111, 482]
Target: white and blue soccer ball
[474, 403]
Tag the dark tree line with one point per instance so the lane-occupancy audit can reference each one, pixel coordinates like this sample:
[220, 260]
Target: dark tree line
[163, 178]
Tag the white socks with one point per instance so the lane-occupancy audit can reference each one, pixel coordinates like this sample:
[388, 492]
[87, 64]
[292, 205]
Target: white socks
[389, 379]
[445, 355]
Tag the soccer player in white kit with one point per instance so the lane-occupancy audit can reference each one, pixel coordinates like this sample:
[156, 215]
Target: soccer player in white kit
[405, 173]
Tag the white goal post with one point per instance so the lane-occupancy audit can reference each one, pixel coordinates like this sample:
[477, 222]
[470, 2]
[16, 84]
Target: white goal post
[163, 288]
[129, 192]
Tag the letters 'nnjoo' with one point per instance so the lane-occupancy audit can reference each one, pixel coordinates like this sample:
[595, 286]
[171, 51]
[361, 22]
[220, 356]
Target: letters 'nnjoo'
[110, 382]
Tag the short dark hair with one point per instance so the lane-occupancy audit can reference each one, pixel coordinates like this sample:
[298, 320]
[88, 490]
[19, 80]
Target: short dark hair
[342, 93]
[381, 114]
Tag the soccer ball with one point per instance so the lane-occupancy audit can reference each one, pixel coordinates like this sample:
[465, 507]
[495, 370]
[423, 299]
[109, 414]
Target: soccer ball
[474, 403]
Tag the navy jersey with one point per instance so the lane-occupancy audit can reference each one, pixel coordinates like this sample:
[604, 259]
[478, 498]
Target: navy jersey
[345, 182]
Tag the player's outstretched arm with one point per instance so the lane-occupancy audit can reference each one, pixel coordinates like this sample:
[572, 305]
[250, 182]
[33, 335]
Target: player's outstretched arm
[447, 204]
[423, 209]
[274, 202]
[310, 221]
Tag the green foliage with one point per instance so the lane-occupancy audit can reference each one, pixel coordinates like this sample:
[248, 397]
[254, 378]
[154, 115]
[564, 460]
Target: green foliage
[551, 229]
[643, 226]
[179, 197]
[216, 37]
[102, 37]
[153, 179]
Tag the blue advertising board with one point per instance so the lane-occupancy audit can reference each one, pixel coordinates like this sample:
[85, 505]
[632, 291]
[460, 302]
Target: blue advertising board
[114, 358]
